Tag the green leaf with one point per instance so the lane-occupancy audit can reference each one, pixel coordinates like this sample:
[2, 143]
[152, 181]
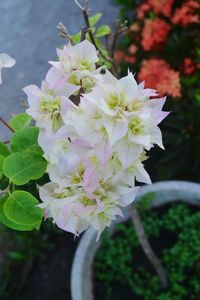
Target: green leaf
[22, 167]
[21, 209]
[94, 19]
[103, 30]
[198, 51]
[7, 222]
[4, 151]
[1, 165]
[76, 37]
[20, 121]
[24, 138]
[4, 183]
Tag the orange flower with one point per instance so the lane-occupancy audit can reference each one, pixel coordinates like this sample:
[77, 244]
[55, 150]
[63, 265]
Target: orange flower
[188, 66]
[162, 6]
[155, 33]
[187, 14]
[157, 74]
[135, 27]
[142, 10]
[119, 55]
[133, 49]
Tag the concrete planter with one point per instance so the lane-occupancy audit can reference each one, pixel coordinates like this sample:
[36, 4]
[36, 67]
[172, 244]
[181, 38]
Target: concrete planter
[165, 192]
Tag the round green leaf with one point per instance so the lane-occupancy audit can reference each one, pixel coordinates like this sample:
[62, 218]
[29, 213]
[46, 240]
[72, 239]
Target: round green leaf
[8, 223]
[22, 167]
[1, 165]
[4, 151]
[21, 209]
[103, 30]
[20, 121]
[24, 138]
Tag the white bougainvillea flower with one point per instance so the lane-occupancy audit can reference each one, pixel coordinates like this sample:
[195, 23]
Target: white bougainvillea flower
[82, 56]
[74, 210]
[95, 146]
[76, 65]
[46, 105]
[6, 61]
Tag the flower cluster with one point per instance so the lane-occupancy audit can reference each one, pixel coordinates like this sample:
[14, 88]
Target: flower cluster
[158, 35]
[187, 14]
[168, 82]
[164, 7]
[95, 131]
[154, 33]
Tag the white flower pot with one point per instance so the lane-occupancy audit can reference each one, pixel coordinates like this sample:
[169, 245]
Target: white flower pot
[165, 192]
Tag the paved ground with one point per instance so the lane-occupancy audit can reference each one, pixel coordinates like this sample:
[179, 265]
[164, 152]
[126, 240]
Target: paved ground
[28, 33]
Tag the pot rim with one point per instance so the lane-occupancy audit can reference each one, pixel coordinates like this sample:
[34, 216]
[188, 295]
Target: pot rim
[164, 192]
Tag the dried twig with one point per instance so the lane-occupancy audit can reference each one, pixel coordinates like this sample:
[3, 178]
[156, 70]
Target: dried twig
[85, 13]
[119, 30]
[6, 124]
[142, 237]
[63, 32]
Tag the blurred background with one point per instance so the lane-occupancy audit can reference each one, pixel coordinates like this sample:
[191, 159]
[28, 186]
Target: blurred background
[162, 46]
[28, 32]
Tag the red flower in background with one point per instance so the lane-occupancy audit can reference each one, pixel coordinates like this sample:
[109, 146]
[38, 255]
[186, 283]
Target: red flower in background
[162, 6]
[120, 56]
[142, 10]
[133, 49]
[157, 74]
[189, 66]
[158, 6]
[187, 14]
[154, 33]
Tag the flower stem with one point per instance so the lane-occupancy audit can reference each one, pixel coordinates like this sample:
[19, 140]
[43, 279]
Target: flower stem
[146, 247]
[6, 124]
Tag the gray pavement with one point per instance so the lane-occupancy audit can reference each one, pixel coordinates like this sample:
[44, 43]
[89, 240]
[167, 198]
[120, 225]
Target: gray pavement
[28, 33]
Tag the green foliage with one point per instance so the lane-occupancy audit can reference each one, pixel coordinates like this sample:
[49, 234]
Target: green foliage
[20, 121]
[4, 151]
[103, 30]
[95, 19]
[22, 167]
[121, 265]
[8, 222]
[181, 159]
[20, 208]
[24, 138]
[145, 202]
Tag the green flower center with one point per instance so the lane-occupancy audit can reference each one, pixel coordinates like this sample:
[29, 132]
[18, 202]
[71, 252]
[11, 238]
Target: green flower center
[85, 65]
[113, 102]
[50, 106]
[78, 177]
[87, 201]
[136, 126]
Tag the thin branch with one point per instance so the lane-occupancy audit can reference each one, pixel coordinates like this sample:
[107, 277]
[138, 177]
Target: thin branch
[146, 247]
[79, 5]
[6, 142]
[6, 124]
[83, 33]
[120, 29]
[63, 32]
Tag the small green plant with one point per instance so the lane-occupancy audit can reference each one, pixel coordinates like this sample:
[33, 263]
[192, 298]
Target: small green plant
[21, 167]
[174, 235]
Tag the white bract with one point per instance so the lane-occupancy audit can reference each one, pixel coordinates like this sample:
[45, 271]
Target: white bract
[95, 131]
[6, 61]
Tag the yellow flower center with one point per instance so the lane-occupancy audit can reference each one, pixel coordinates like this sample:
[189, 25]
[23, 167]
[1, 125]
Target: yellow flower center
[136, 126]
[50, 106]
